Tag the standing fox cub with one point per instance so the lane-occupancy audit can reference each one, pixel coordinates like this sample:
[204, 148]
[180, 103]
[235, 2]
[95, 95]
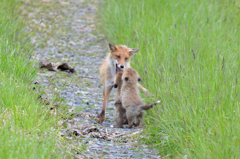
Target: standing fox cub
[120, 112]
[118, 58]
[130, 98]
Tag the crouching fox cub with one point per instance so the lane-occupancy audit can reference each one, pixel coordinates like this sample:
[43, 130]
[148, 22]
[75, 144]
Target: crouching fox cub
[130, 98]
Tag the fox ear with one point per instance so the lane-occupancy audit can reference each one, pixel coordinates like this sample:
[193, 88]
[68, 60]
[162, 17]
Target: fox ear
[112, 47]
[133, 51]
[126, 78]
[140, 80]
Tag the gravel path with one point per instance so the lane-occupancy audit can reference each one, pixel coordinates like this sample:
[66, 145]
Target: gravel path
[66, 32]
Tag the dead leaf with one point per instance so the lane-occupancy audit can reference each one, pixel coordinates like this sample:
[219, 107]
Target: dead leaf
[88, 130]
[83, 114]
[39, 97]
[36, 83]
[52, 67]
[47, 65]
[66, 67]
[44, 101]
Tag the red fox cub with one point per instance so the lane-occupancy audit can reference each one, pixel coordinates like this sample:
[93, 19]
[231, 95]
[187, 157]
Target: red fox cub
[131, 99]
[119, 57]
[120, 112]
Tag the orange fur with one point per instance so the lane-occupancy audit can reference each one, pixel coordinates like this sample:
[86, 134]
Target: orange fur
[119, 57]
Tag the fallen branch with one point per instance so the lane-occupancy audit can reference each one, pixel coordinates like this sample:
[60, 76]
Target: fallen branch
[88, 130]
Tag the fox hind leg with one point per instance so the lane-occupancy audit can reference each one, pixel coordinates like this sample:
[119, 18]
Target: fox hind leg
[139, 119]
[130, 118]
[130, 122]
[119, 122]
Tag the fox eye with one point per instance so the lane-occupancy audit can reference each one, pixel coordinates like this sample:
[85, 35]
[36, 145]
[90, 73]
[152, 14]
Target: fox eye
[118, 57]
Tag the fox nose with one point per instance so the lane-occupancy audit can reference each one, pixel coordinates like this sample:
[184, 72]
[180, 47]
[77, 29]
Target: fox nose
[121, 66]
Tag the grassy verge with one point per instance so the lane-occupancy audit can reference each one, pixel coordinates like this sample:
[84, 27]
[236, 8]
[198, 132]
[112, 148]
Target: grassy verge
[190, 59]
[25, 125]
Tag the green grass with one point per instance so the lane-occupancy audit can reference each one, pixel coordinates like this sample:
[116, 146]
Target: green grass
[190, 59]
[25, 123]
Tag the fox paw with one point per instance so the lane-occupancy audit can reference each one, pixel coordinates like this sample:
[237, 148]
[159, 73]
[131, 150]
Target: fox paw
[118, 126]
[100, 120]
[101, 117]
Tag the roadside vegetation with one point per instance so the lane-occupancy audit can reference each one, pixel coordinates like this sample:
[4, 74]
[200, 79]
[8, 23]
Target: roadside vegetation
[26, 128]
[189, 59]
